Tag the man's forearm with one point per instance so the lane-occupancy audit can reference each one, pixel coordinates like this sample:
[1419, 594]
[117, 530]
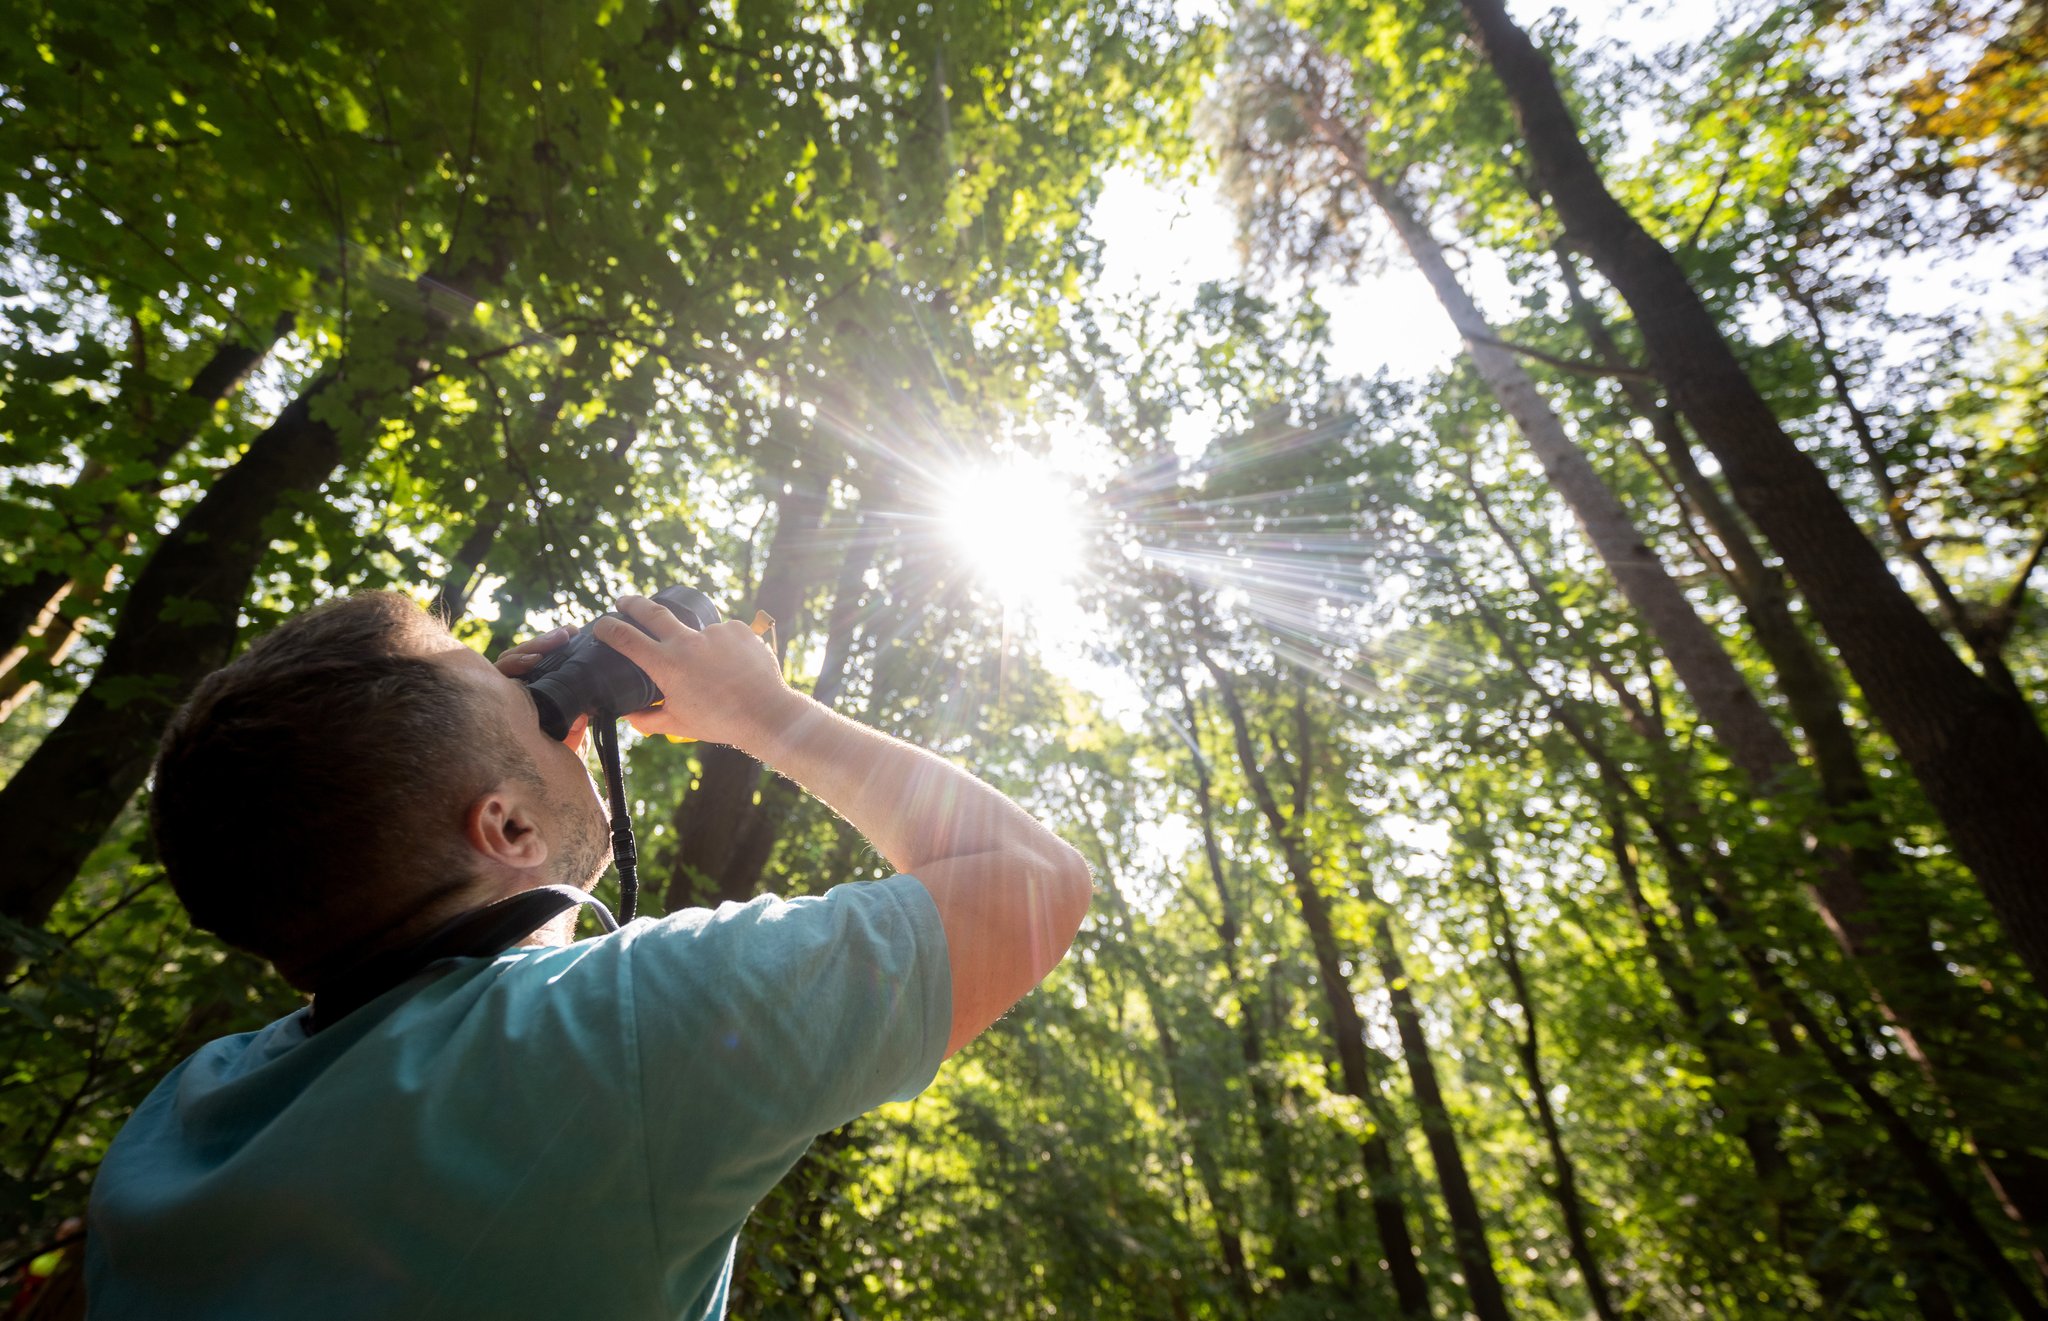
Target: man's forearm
[914, 807]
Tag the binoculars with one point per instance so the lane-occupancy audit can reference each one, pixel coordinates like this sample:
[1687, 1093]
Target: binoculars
[585, 677]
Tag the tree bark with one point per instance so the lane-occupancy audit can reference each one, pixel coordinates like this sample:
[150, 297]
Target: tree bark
[177, 626]
[1979, 754]
[717, 824]
[1468, 1226]
[1347, 1028]
[179, 623]
[1696, 653]
[23, 603]
[1564, 1190]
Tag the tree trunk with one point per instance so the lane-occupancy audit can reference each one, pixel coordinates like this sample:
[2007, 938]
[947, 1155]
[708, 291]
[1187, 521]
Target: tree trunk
[23, 603]
[1979, 754]
[1276, 1164]
[177, 626]
[1347, 1028]
[1696, 653]
[1193, 1120]
[1528, 1047]
[1468, 1226]
[718, 823]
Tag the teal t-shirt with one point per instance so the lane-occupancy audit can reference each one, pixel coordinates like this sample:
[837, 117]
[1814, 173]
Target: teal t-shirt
[573, 1131]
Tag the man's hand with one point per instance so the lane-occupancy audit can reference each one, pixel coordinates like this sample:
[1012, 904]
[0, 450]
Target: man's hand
[516, 661]
[722, 685]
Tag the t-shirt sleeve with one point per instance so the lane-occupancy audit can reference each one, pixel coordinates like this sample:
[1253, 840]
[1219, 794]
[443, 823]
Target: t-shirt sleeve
[759, 1026]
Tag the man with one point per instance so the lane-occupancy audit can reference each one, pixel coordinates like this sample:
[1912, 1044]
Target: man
[568, 1129]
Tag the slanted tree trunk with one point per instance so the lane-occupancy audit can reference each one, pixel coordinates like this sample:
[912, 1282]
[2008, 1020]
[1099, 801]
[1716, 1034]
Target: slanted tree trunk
[1873, 906]
[1468, 1226]
[718, 820]
[1696, 653]
[1979, 754]
[1193, 1118]
[24, 603]
[1564, 1183]
[1276, 1163]
[178, 624]
[1347, 1028]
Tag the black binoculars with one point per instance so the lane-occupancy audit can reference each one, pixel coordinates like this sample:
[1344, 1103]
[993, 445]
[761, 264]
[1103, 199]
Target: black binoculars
[585, 677]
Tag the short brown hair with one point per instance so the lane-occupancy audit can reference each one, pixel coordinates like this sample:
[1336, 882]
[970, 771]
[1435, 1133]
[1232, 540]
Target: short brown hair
[330, 760]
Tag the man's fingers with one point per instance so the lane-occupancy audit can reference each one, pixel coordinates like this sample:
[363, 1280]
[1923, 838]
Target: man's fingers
[653, 616]
[517, 660]
[628, 641]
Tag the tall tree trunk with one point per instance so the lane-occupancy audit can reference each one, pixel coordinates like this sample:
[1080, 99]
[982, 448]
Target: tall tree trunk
[1696, 653]
[177, 625]
[1276, 1164]
[1979, 754]
[715, 820]
[1564, 1184]
[1468, 1226]
[1188, 1113]
[23, 603]
[1347, 1028]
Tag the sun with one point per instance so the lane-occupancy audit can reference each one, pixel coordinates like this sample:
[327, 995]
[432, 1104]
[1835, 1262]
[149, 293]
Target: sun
[1018, 526]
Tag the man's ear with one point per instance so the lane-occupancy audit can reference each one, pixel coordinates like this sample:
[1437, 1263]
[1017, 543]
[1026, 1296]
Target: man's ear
[502, 826]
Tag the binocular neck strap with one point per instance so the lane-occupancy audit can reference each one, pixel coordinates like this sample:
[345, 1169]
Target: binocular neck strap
[625, 853]
[481, 933]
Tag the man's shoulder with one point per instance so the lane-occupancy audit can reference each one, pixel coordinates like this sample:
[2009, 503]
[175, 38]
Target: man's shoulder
[895, 912]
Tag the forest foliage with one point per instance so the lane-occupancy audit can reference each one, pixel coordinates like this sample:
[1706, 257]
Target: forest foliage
[1568, 825]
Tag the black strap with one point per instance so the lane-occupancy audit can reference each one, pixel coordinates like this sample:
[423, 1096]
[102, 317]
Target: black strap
[625, 853]
[481, 933]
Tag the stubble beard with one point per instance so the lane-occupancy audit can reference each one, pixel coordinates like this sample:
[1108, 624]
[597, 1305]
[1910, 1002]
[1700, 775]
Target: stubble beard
[589, 852]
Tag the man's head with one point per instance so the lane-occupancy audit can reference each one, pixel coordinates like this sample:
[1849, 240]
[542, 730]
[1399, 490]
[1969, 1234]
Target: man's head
[356, 777]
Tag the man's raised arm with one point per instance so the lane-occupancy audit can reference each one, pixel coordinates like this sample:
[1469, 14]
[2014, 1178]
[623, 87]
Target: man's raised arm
[1010, 893]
